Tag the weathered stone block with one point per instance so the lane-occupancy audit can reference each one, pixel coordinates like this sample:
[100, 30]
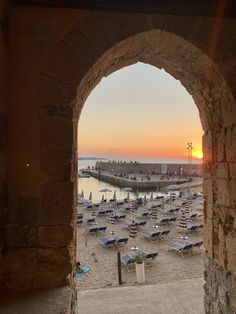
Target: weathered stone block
[223, 195]
[231, 144]
[20, 260]
[57, 203]
[231, 251]
[56, 236]
[21, 236]
[3, 131]
[207, 145]
[28, 210]
[208, 237]
[207, 190]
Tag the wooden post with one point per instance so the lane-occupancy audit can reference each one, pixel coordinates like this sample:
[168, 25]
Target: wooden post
[119, 268]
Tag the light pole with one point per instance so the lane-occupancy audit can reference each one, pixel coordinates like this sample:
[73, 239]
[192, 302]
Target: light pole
[190, 150]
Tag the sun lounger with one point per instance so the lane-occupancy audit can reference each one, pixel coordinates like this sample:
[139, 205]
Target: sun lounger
[89, 220]
[194, 228]
[180, 247]
[164, 233]
[121, 240]
[106, 241]
[79, 221]
[92, 230]
[151, 235]
[127, 260]
[101, 213]
[149, 256]
[108, 211]
[103, 229]
[80, 216]
[192, 216]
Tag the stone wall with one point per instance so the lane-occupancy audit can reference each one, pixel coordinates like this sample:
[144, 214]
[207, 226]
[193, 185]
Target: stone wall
[127, 167]
[3, 129]
[55, 58]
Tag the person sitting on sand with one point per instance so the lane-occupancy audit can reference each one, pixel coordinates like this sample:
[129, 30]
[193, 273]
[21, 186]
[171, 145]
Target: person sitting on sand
[79, 269]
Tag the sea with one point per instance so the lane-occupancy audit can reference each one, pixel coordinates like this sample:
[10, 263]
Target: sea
[94, 185]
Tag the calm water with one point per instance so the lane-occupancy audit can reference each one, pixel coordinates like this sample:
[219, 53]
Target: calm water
[93, 185]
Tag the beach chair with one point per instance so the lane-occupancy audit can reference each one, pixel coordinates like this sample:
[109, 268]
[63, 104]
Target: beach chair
[141, 224]
[151, 235]
[143, 216]
[106, 241]
[194, 228]
[80, 216]
[149, 256]
[92, 230]
[181, 248]
[127, 260]
[108, 211]
[89, 220]
[192, 216]
[164, 233]
[122, 240]
[79, 221]
[101, 213]
[102, 229]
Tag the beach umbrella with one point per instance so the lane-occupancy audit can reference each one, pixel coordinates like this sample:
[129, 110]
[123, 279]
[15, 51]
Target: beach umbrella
[102, 198]
[128, 196]
[112, 219]
[137, 194]
[127, 189]
[151, 197]
[133, 207]
[133, 231]
[183, 222]
[82, 194]
[154, 214]
[93, 213]
[114, 195]
[162, 203]
[90, 196]
[145, 200]
[187, 207]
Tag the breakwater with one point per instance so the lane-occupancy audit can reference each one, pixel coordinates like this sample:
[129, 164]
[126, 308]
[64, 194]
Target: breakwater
[144, 168]
[153, 184]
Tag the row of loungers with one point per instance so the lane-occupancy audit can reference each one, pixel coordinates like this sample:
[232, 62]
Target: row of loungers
[128, 260]
[184, 247]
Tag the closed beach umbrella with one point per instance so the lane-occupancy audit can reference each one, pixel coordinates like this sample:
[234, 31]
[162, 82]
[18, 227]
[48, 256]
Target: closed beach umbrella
[133, 207]
[128, 196]
[154, 214]
[151, 197]
[162, 203]
[90, 196]
[112, 220]
[187, 207]
[82, 194]
[102, 200]
[145, 200]
[93, 213]
[183, 221]
[137, 194]
[133, 230]
[114, 195]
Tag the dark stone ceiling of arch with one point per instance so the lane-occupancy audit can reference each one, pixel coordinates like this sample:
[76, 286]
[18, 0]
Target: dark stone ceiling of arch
[172, 7]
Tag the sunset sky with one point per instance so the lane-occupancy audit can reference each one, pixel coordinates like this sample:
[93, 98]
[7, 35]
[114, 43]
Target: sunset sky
[139, 111]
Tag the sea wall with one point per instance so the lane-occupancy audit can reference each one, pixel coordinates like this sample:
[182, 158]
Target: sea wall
[128, 167]
[134, 185]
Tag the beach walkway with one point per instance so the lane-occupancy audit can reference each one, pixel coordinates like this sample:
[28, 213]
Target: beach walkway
[180, 297]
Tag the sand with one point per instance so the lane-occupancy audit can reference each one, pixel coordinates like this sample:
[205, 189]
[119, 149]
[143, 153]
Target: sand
[169, 266]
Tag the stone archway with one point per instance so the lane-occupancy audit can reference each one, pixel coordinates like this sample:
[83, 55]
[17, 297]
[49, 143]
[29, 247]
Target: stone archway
[184, 61]
[77, 50]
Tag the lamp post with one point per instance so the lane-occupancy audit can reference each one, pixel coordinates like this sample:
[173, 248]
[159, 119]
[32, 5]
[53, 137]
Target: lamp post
[190, 151]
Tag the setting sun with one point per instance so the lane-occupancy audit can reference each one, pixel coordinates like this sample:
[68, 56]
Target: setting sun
[198, 154]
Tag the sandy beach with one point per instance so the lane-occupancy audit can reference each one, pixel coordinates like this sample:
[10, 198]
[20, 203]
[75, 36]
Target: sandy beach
[169, 266]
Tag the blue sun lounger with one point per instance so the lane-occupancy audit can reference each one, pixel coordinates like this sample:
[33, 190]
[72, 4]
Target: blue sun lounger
[151, 235]
[127, 260]
[122, 240]
[106, 241]
[181, 248]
